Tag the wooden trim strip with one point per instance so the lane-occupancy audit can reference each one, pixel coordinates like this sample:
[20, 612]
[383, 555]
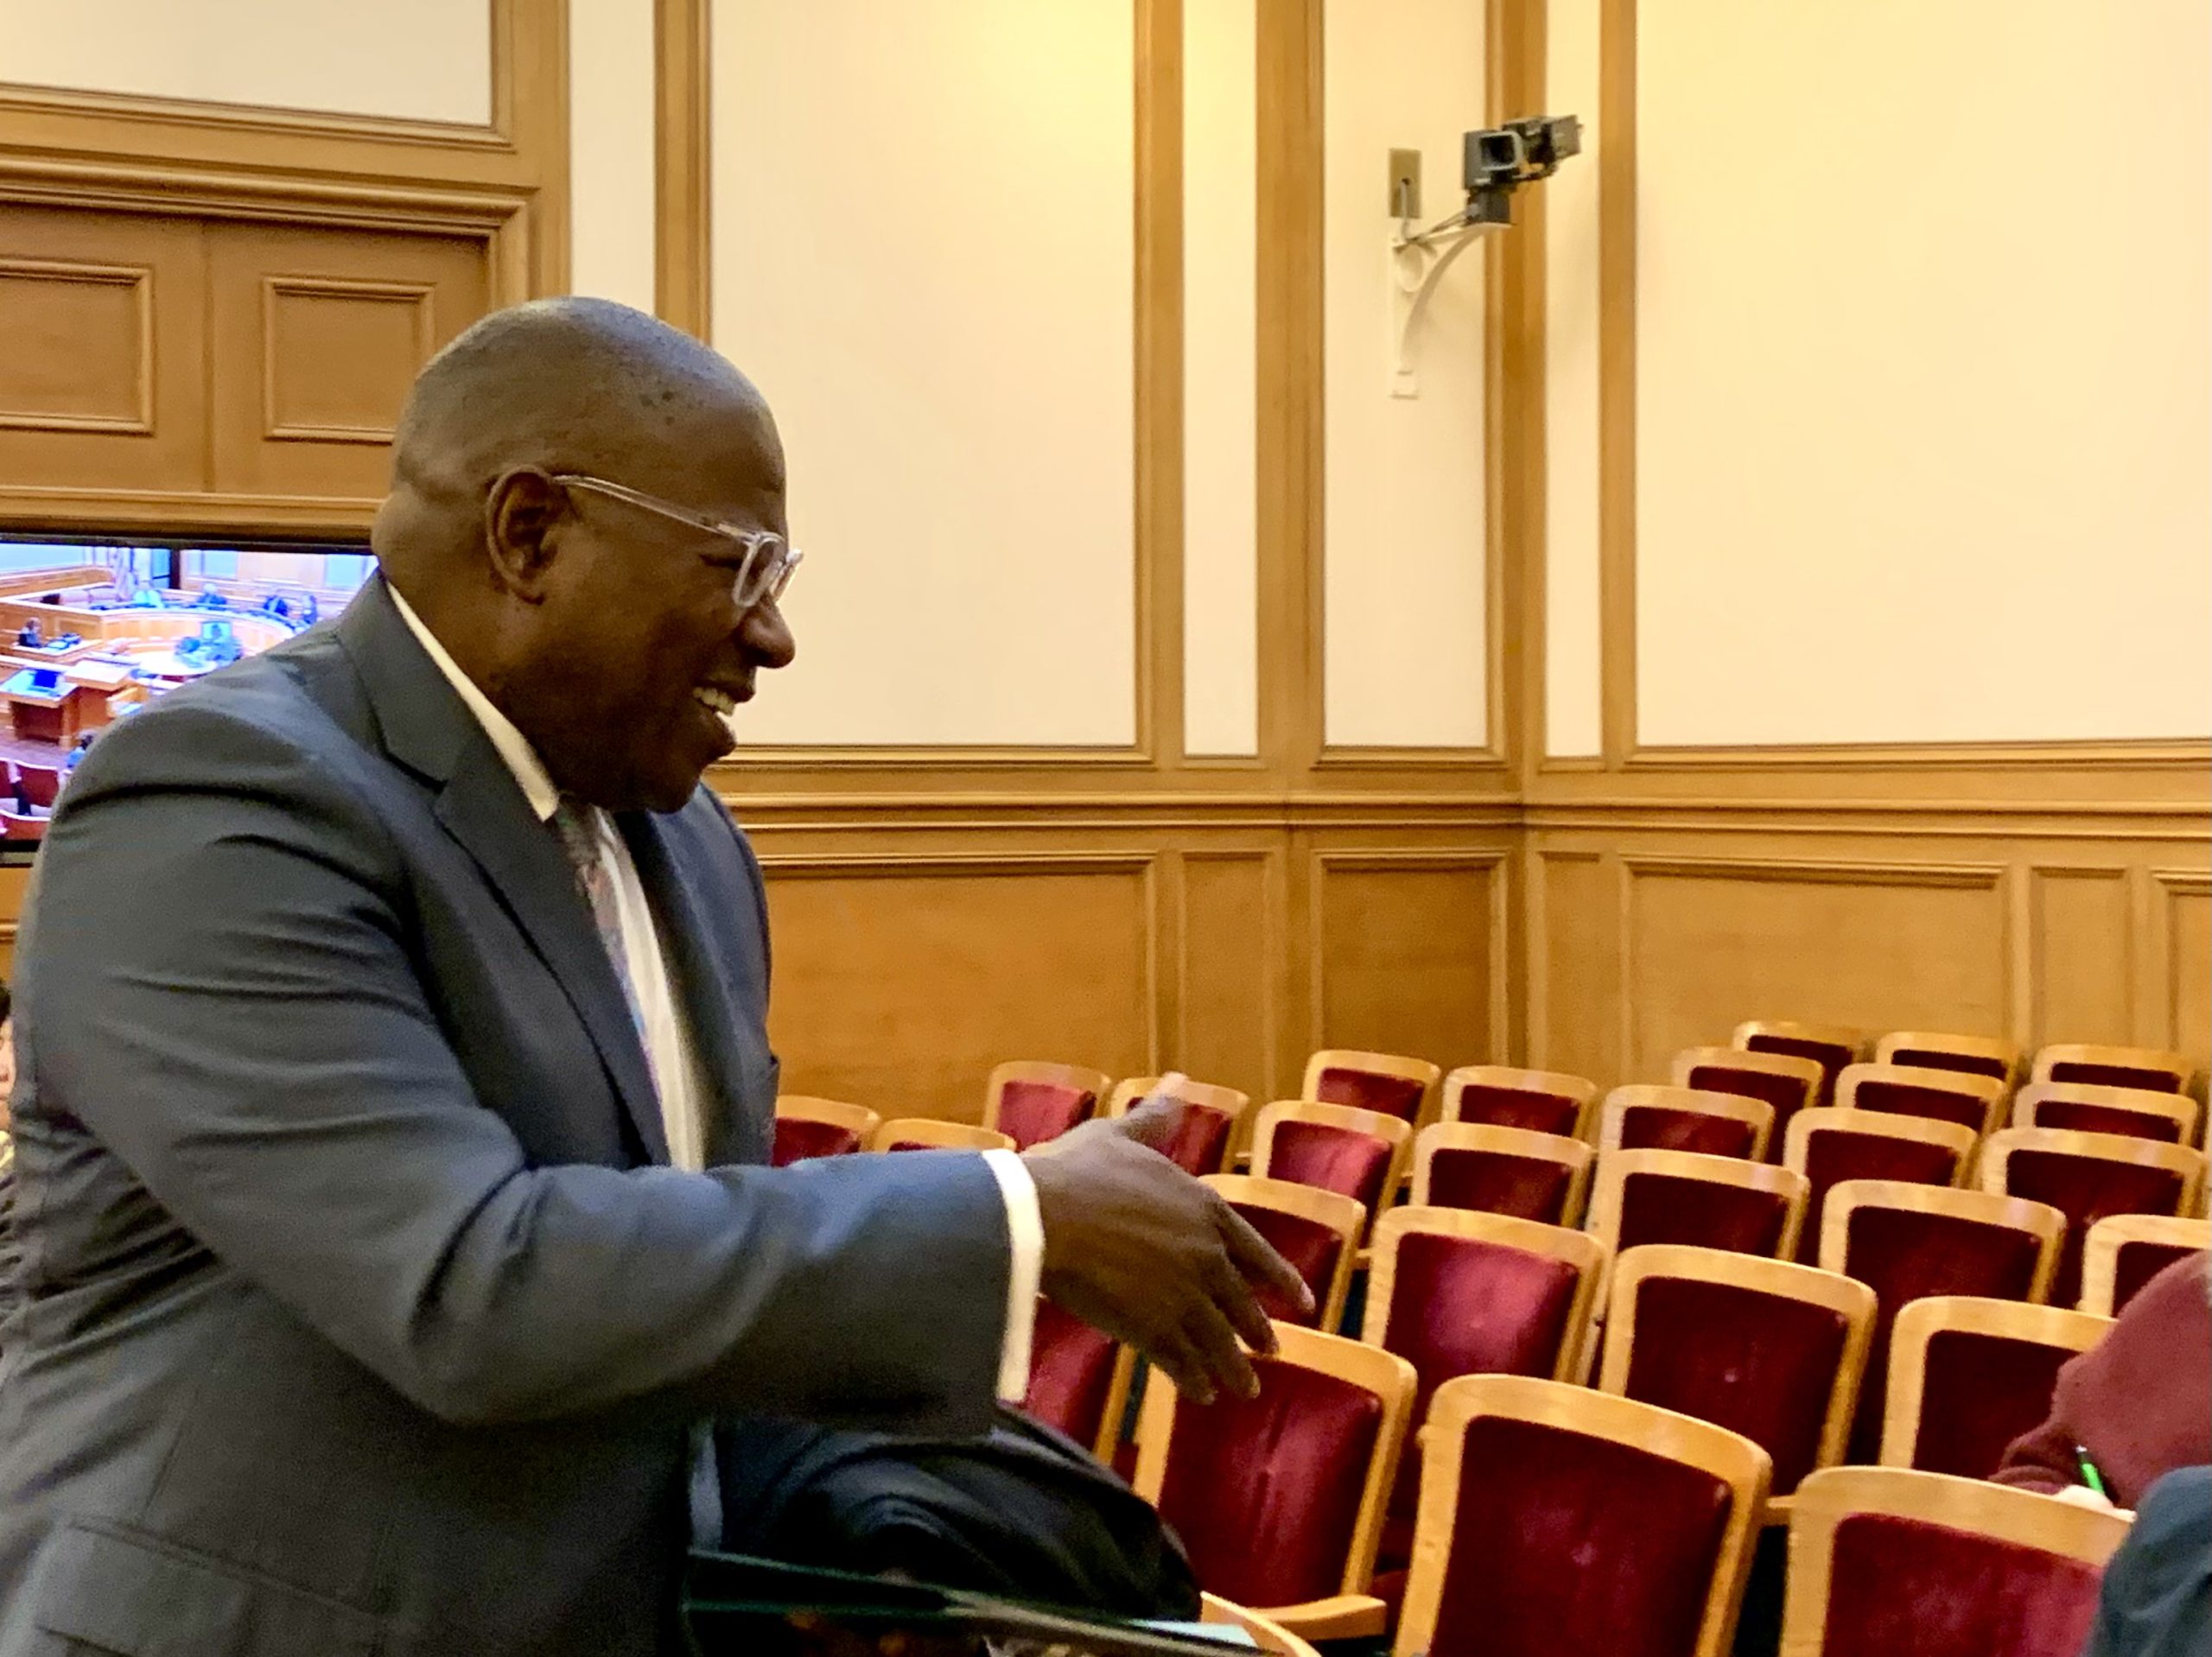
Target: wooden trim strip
[683, 165]
[1617, 376]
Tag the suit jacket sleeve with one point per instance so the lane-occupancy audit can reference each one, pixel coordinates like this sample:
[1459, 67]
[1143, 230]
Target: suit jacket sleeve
[221, 987]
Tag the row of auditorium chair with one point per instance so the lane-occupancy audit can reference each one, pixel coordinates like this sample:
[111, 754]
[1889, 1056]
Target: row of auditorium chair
[1689, 1277]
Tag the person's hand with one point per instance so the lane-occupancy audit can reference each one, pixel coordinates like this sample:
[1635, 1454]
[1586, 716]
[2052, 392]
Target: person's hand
[1135, 1246]
[2080, 1495]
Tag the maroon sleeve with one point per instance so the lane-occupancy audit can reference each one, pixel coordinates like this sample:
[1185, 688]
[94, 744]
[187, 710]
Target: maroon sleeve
[2043, 1459]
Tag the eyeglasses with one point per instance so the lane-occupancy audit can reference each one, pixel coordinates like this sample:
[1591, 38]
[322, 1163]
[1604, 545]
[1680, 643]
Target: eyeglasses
[769, 560]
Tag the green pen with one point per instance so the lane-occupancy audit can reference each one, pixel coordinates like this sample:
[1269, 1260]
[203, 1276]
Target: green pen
[2091, 1476]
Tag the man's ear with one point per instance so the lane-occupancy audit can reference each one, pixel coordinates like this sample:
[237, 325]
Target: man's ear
[520, 514]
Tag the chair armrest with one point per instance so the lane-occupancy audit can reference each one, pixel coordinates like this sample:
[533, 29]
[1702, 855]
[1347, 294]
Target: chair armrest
[1341, 1617]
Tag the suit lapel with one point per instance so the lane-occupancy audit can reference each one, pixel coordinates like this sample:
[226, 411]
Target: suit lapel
[707, 980]
[428, 728]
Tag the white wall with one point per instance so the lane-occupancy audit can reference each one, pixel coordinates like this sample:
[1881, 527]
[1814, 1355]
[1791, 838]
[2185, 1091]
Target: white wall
[1221, 685]
[923, 252]
[415, 59]
[611, 164]
[1573, 717]
[1924, 369]
[1405, 659]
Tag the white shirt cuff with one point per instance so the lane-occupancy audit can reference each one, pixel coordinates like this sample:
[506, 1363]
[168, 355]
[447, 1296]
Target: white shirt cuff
[1024, 1230]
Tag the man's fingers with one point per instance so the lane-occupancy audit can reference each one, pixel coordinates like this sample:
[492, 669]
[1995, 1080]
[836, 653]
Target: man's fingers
[1242, 1307]
[1216, 1343]
[1180, 1361]
[1255, 1258]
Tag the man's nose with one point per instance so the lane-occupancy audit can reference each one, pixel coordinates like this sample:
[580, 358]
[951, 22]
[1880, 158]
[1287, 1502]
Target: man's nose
[766, 637]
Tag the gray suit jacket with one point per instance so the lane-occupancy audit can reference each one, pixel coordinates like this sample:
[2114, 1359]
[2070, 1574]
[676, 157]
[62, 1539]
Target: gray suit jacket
[356, 1317]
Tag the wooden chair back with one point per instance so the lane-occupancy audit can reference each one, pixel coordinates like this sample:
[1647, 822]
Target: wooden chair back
[1476, 1166]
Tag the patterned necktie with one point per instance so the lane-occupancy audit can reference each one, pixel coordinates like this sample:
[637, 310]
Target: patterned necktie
[577, 824]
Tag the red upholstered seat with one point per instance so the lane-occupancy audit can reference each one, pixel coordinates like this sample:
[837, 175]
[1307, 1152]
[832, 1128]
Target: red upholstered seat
[1981, 1392]
[800, 1138]
[1763, 1365]
[1540, 1112]
[1464, 1306]
[1265, 1492]
[2087, 1118]
[2137, 1263]
[1785, 1092]
[1907, 1588]
[1071, 1374]
[1830, 1056]
[2109, 1075]
[1904, 1099]
[1838, 1155]
[1658, 1127]
[1033, 1112]
[1200, 1138]
[1571, 1546]
[1491, 1182]
[1394, 1096]
[1311, 1249]
[2087, 1189]
[1662, 1208]
[1331, 1159]
[1903, 1256]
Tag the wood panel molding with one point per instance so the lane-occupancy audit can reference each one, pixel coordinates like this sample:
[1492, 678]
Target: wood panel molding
[683, 203]
[130, 304]
[418, 318]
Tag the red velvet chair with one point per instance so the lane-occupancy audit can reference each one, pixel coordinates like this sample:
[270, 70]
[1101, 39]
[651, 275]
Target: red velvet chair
[1829, 1147]
[1390, 1082]
[1205, 1123]
[1887, 1563]
[1932, 1050]
[1537, 1101]
[2123, 1252]
[41, 785]
[1975, 1102]
[15, 825]
[1032, 1100]
[1362, 1154]
[1279, 1499]
[1785, 1081]
[1968, 1376]
[1648, 1116]
[1830, 1046]
[2147, 1068]
[1317, 1231]
[1907, 1241]
[1460, 1293]
[1502, 1170]
[1556, 1522]
[1079, 1380]
[2086, 1107]
[928, 1133]
[2087, 1177]
[808, 1128]
[1678, 1197]
[1764, 1348]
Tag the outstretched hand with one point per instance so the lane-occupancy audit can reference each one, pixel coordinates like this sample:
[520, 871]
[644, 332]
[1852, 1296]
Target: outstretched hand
[1137, 1248]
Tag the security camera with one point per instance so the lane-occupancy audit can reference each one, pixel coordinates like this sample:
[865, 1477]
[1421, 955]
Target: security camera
[1499, 159]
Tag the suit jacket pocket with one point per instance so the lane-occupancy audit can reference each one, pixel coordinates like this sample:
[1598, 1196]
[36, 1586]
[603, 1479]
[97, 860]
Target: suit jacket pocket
[121, 1590]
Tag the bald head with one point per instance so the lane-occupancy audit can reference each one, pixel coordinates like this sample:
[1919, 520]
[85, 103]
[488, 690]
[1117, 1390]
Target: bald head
[585, 616]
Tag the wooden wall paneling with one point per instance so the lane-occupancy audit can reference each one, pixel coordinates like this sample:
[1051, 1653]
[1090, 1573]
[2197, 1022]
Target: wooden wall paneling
[682, 171]
[1576, 964]
[316, 335]
[1287, 436]
[1406, 951]
[1158, 335]
[1878, 944]
[1231, 966]
[2079, 970]
[104, 319]
[902, 979]
[2184, 913]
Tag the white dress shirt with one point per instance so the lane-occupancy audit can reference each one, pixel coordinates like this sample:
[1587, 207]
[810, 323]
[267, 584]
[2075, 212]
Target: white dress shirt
[671, 1057]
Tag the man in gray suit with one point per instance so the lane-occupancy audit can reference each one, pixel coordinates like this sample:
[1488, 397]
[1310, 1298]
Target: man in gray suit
[395, 1083]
